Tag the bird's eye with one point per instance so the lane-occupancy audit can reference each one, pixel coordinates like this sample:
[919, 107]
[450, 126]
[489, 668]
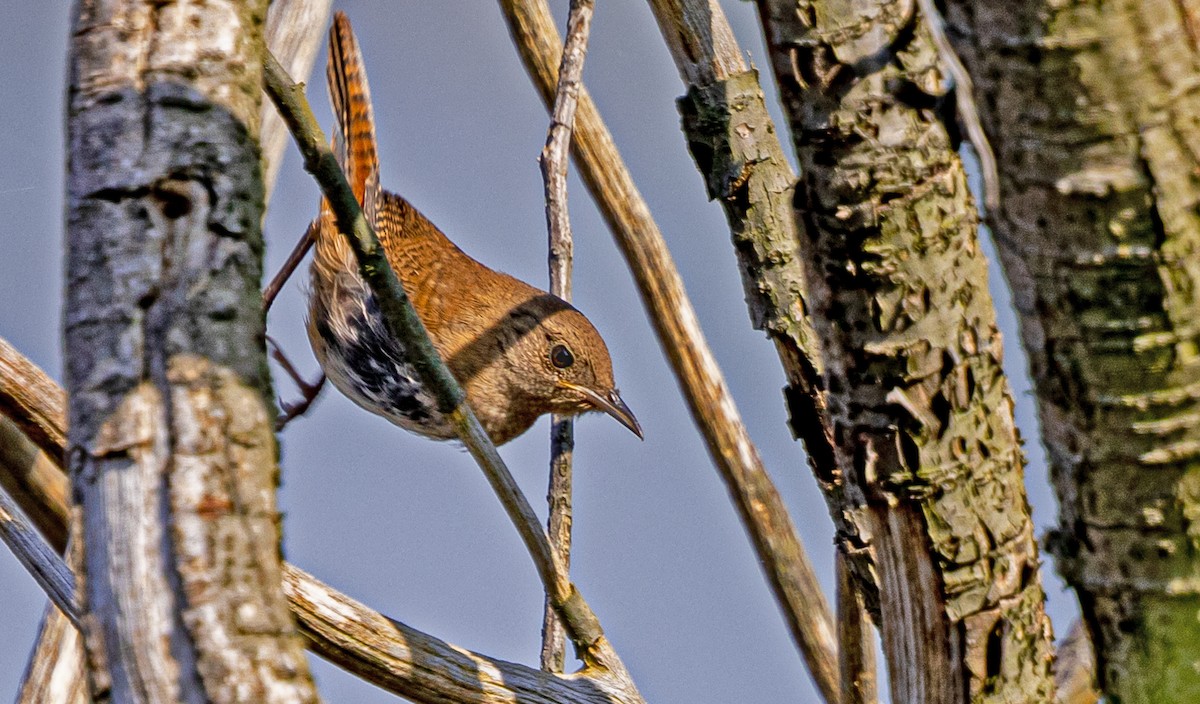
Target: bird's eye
[561, 357]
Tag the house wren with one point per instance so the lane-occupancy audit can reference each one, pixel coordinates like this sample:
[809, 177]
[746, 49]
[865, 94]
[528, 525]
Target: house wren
[518, 351]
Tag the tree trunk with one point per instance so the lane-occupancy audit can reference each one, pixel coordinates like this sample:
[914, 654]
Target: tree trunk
[170, 443]
[921, 411]
[1093, 113]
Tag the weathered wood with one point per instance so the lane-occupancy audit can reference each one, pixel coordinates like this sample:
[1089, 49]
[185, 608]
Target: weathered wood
[1093, 111]
[55, 672]
[922, 414]
[395, 657]
[37, 557]
[737, 150]
[170, 441]
[712, 408]
[424, 669]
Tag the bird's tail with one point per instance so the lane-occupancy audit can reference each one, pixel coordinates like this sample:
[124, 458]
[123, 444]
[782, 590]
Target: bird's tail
[335, 278]
[350, 96]
[334, 266]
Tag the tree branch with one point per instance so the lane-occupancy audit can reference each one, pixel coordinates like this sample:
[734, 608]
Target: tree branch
[171, 441]
[1094, 116]
[921, 411]
[38, 558]
[293, 34]
[713, 410]
[402, 322]
[383, 652]
[553, 161]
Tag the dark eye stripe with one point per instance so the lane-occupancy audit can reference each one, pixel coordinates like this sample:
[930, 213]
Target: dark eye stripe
[561, 357]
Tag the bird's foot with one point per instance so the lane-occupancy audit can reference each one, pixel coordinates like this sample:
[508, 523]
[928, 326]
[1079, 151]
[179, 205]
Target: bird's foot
[308, 390]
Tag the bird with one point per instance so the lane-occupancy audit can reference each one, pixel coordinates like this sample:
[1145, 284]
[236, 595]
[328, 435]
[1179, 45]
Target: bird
[518, 351]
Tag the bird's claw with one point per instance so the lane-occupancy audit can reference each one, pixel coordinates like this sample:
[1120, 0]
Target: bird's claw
[308, 390]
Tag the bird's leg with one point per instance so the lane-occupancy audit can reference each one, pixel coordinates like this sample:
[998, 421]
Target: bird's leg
[289, 267]
[308, 390]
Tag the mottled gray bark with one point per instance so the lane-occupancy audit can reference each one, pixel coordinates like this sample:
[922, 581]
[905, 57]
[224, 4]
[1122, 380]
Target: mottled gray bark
[1094, 114]
[170, 443]
[922, 415]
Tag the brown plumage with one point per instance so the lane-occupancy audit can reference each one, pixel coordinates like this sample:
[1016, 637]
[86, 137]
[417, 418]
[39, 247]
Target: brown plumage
[518, 351]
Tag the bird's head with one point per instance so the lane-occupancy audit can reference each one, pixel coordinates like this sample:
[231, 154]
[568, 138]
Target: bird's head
[576, 369]
[563, 364]
[540, 356]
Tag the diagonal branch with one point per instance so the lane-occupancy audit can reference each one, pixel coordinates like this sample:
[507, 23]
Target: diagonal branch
[38, 558]
[367, 644]
[713, 410]
[402, 322]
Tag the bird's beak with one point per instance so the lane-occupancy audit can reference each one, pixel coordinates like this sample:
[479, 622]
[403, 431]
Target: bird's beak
[611, 404]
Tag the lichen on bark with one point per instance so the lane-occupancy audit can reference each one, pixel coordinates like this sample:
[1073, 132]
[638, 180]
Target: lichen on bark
[922, 414]
[1093, 112]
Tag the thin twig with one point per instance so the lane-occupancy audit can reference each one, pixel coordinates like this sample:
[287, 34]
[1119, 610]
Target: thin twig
[403, 323]
[554, 160]
[964, 100]
[31, 550]
[712, 407]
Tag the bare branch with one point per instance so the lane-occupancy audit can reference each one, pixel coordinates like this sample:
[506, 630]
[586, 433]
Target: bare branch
[554, 160]
[42, 563]
[389, 654]
[737, 150]
[713, 409]
[403, 323]
[415, 665]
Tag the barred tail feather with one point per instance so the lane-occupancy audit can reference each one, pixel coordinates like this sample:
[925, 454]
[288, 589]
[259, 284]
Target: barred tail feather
[350, 96]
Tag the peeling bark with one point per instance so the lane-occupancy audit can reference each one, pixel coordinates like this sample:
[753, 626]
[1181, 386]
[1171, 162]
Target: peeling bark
[170, 444]
[1093, 110]
[922, 414]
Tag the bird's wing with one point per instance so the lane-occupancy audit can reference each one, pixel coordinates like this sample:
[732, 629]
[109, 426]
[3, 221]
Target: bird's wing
[350, 97]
